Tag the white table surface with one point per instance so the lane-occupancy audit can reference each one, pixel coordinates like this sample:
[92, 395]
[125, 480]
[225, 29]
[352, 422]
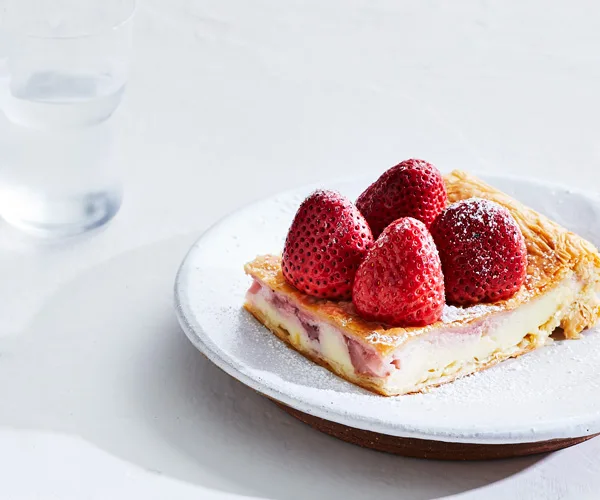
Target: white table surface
[101, 395]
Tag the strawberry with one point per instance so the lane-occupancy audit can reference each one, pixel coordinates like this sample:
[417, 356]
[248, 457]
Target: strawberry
[327, 241]
[483, 252]
[413, 188]
[400, 282]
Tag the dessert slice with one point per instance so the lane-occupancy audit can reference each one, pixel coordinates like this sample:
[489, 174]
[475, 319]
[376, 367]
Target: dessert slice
[560, 290]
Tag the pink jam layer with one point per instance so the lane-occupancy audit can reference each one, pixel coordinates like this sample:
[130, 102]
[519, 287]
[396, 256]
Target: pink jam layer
[284, 306]
[365, 360]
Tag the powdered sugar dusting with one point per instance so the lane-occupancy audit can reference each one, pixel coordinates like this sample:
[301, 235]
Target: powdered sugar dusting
[452, 314]
[381, 338]
[482, 212]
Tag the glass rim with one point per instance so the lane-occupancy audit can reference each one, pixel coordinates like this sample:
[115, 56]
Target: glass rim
[113, 27]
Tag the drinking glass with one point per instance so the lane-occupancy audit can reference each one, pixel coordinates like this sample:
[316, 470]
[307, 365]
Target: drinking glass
[65, 73]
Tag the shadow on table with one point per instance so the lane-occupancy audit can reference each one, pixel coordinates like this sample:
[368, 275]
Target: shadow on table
[106, 360]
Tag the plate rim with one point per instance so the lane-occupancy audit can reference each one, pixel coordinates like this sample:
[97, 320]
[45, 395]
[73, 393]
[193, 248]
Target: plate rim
[570, 428]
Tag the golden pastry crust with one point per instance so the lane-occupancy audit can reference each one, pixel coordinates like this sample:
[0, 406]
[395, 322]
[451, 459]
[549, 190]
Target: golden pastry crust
[552, 251]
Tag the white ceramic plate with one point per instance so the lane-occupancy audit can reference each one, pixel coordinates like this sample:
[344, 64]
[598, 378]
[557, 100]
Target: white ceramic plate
[551, 393]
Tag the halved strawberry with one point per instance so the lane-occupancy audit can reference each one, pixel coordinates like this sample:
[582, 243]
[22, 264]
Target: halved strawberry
[400, 282]
[325, 245]
[483, 251]
[413, 188]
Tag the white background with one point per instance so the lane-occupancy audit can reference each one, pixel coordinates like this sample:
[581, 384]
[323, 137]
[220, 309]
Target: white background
[101, 396]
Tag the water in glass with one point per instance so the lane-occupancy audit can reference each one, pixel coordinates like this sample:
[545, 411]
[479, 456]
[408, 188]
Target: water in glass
[57, 94]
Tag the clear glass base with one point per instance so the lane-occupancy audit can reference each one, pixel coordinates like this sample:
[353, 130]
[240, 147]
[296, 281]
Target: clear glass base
[61, 217]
